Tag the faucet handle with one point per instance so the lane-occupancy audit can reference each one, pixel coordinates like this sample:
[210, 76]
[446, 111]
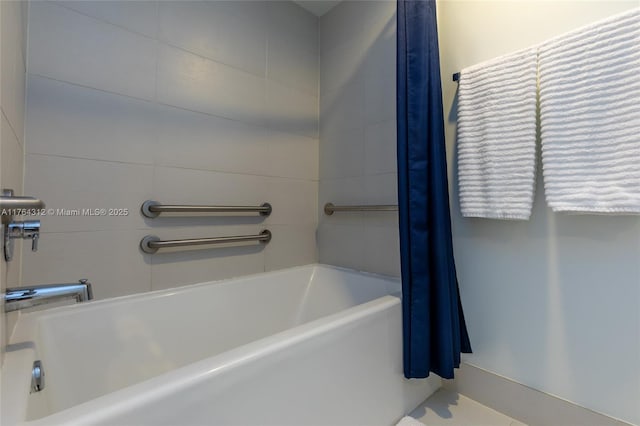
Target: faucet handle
[31, 229]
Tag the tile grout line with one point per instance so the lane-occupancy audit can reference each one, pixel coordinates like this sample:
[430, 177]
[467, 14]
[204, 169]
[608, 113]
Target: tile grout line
[162, 104]
[168, 166]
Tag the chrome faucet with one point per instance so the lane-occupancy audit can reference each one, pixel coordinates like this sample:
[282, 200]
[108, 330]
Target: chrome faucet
[28, 297]
[10, 206]
[27, 230]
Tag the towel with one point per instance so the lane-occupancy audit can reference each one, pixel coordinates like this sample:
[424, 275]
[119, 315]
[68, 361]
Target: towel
[409, 421]
[590, 117]
[497, 136]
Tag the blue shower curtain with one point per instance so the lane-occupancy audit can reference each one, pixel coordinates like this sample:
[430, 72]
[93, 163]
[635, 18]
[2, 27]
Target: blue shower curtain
[434, 330]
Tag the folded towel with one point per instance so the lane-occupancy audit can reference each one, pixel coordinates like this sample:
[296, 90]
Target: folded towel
[590, 117]
[497, 136]
[409, 421]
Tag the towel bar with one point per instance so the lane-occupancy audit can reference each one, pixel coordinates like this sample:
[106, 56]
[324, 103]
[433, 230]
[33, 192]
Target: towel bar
[151, 243]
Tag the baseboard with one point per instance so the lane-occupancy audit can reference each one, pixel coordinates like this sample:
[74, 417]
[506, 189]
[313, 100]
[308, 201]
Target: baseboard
[525, 404]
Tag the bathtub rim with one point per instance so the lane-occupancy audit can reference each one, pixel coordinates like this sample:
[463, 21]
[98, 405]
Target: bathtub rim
[122, 400]
[182, 289]
[171, 381]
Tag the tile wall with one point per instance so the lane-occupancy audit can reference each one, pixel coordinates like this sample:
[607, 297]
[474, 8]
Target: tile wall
[179, 102]
[358, 135]
[13, 24]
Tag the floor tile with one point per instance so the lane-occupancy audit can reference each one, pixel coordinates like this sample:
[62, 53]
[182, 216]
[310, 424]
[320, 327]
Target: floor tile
[452, 409]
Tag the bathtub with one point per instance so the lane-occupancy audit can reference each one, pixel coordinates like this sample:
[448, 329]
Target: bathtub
[312, 345]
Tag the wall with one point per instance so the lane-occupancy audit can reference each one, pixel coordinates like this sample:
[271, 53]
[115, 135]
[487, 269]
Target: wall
[554, 302]
[13, 25]
[179, 102]
[358, 135]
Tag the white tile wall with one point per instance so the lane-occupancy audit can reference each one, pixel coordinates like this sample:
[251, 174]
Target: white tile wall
[184, 186]
[341, 24]
[11, 170]
[341, 245]
[293, 60]
[380, 79]
[340, 65]
[170, 269]
[292, 244]
[290, 155]
[358, 135]
[11, 158]
[233, 145]
[110, 259]
[134, 15]
[69, 120]
[181, 102]
[342, 153]
[68, 46]
[293, 47]
[13, 67]
[219, 30]
[298, 199]
[291, 110]
[380, 148]
[13, 18]
[193, 82]
[77, 184]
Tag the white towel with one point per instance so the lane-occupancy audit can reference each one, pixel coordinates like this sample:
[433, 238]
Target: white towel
[497, 137]
[590, 117]
[409, 421]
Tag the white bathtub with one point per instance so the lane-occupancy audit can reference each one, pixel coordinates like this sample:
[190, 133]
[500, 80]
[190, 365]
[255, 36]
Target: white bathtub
[309, 345]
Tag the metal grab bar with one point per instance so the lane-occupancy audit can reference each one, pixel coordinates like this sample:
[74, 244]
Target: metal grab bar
[20, 203]
[329, 208]
[151, 243]
[11, 205]
[153, 209]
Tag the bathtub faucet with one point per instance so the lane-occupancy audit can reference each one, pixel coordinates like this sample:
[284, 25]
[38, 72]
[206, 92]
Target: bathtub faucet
[28, 297]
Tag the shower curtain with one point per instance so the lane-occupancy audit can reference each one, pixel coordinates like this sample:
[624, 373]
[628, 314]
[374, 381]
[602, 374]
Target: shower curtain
[434, 330]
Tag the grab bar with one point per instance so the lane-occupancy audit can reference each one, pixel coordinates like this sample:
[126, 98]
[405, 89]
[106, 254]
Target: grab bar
[151, 243]
[329, 208]
[153, 209]
[11, 205]
[20, 203]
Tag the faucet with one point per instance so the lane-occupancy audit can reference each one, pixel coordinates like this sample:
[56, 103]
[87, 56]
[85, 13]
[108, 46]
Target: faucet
[10, 206]
[27, 230]
[28, 297]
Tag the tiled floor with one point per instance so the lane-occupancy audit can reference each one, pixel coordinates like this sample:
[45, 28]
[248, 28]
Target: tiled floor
[448, 408]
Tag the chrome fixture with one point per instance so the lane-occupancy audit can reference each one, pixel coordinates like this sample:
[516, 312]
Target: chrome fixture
[27, 230]
[329, 208]
[11, 205]
[37, 377]
[153, 209]
[151, 244]
[28, 297]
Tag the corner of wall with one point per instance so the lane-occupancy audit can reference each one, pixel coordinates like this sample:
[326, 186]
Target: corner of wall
[13, 17]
